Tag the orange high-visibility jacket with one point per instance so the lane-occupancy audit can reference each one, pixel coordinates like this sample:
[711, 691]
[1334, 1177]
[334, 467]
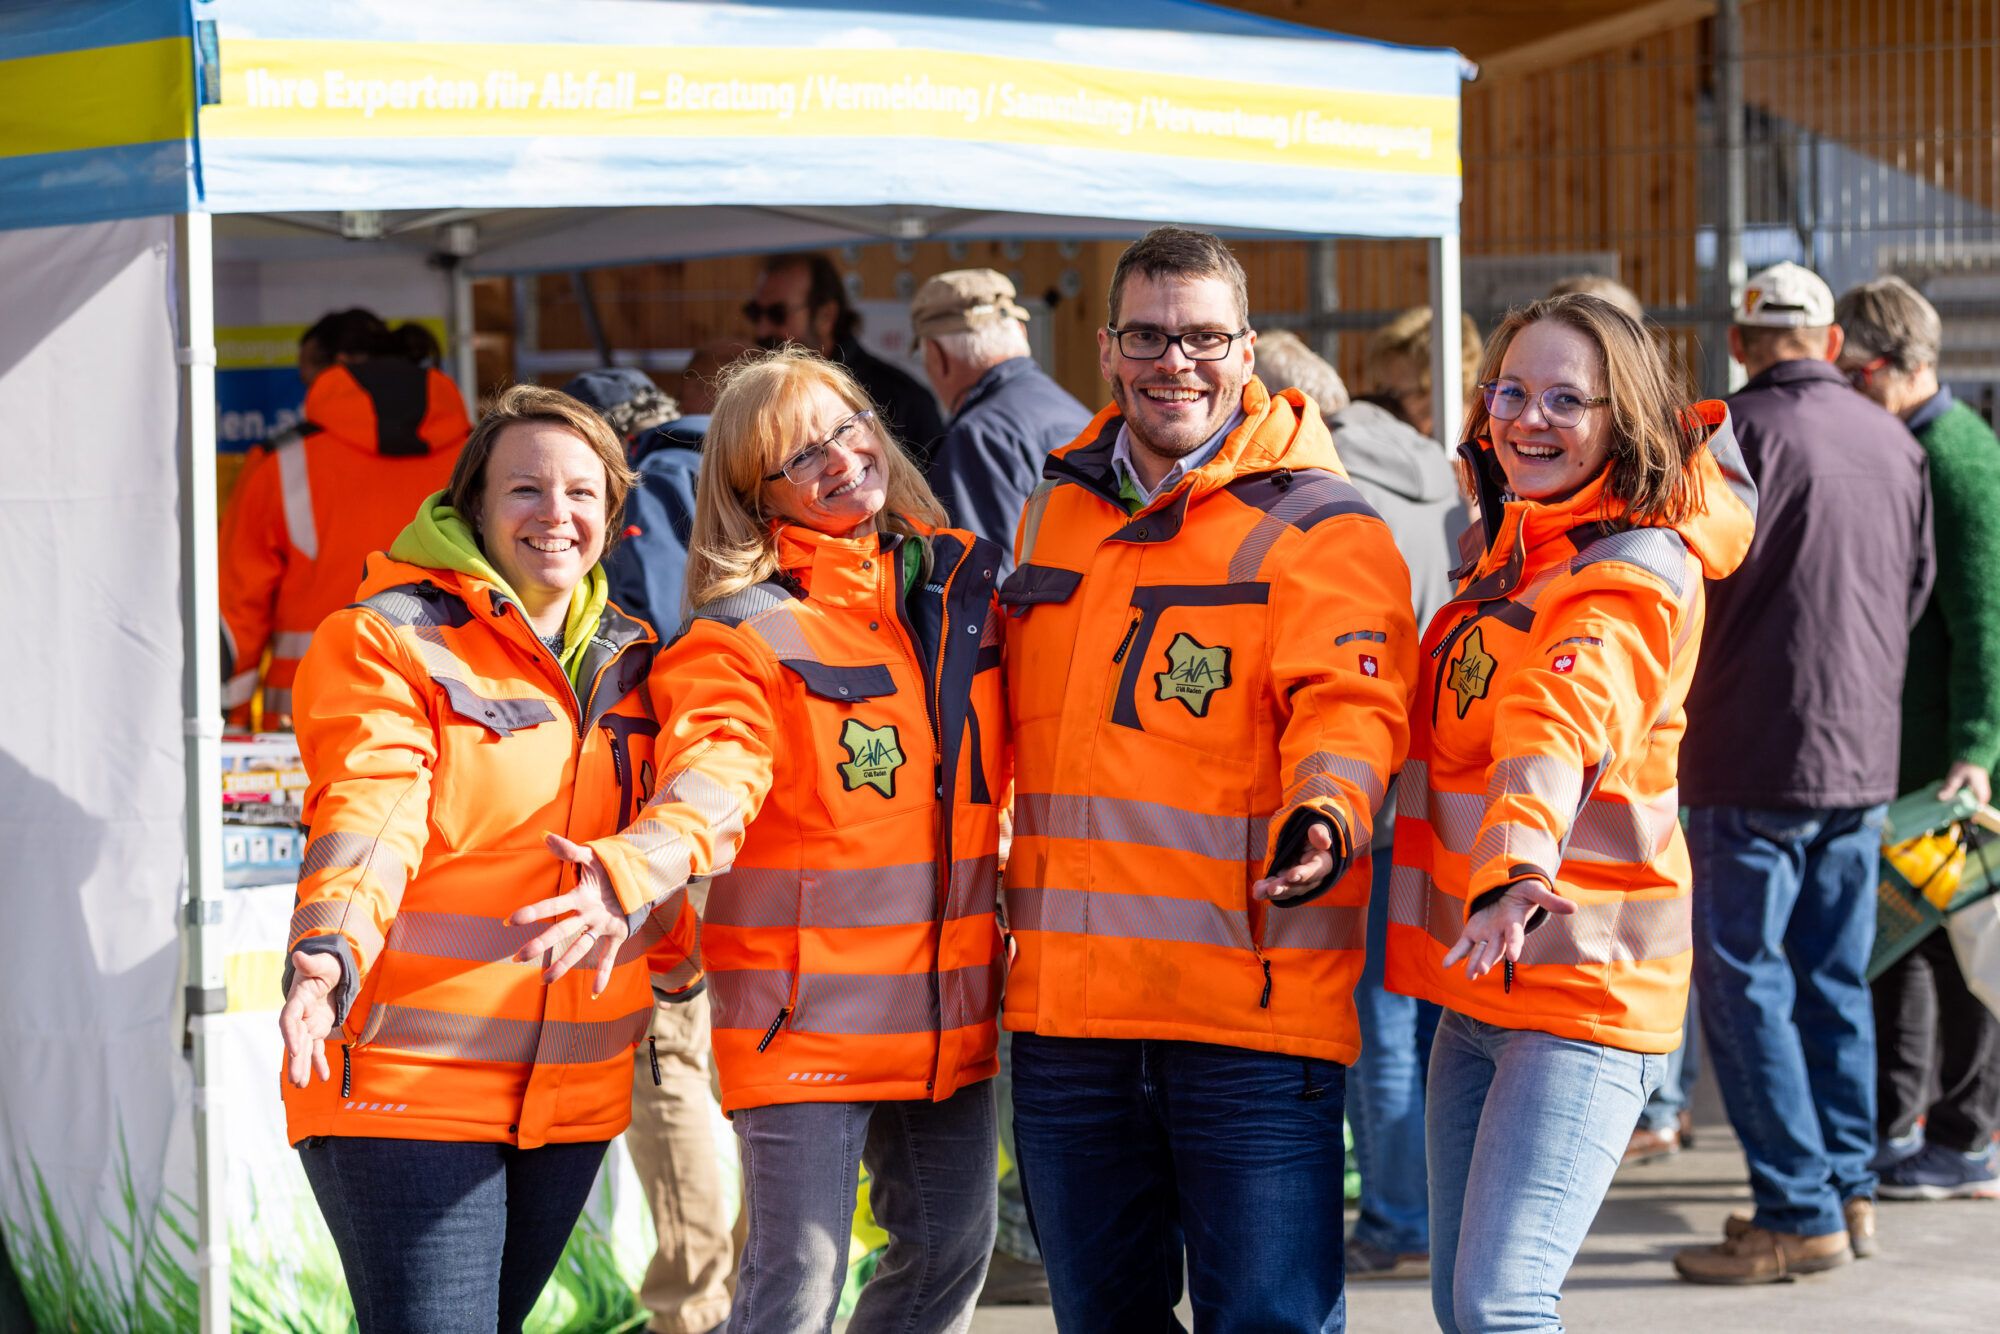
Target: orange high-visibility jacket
[832, 756]
[1192, 687]
[1544, 745]
[443, 741]
[378, 438]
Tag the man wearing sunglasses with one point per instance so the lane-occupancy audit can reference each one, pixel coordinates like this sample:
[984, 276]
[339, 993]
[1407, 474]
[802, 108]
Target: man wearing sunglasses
[801, 299]
[1789, 760]
[1209, 645]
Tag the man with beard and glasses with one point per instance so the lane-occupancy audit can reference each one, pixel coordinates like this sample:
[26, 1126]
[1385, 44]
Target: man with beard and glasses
[1208, 644]
[801, 299]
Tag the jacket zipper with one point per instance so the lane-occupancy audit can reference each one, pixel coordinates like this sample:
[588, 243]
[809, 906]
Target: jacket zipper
[1126, 643]
[777, 1023]
[347, 1069]
[653, 1052]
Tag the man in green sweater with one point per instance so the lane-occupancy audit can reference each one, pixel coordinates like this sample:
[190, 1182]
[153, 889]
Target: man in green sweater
[1940, 1149]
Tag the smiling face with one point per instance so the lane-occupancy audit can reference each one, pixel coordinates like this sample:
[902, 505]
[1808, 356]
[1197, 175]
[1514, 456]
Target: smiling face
[844, 499]
[1544, 461]
[1172, 406]
[542, 516]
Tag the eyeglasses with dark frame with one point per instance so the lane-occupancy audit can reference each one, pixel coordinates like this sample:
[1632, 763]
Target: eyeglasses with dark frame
[1195, 344]
[1562, 406]
[810, 462]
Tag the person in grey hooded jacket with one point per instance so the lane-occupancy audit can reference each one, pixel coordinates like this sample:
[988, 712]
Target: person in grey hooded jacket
[1405, 475]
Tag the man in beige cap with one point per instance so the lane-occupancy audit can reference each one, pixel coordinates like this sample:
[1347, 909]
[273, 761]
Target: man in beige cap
[1006, 413]
[1789, 758]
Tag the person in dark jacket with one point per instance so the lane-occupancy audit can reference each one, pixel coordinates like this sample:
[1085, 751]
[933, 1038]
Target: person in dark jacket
[1789, 761]
[1007, 414]
[1404, 475]
[1931, 1031]
[801, 299]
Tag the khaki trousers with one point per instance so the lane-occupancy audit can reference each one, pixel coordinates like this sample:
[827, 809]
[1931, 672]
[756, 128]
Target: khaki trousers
[688, 1284]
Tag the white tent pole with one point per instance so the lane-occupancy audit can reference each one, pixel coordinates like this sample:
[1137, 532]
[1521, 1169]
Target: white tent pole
[1447, 352]
[201, 725]
[461, 243]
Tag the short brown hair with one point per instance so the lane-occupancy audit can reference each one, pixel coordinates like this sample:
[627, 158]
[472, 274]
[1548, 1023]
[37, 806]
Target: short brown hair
[536, 403]
[1181, 253]
[1889, 318]
[1654, 435]
[1407, 338]
[1285, 362]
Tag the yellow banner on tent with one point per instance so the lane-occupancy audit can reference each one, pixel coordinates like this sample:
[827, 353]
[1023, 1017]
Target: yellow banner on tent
[291, 89]
[103, 97]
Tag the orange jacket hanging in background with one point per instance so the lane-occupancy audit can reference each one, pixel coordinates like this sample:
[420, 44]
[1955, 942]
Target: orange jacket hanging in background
[1184, 682]
[832, 755]
[443, 740]
[379, 437]
[1545, 743]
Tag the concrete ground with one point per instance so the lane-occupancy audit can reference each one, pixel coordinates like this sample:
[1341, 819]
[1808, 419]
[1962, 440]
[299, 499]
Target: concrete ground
[1938, 1269]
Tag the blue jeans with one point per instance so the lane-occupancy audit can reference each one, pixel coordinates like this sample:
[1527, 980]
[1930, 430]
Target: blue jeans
[1784, 917]
[1134, 1152]
[1385, 1102]
[1663, 1110]
[931, 1170]
[1525, 1130]
[444, 1237]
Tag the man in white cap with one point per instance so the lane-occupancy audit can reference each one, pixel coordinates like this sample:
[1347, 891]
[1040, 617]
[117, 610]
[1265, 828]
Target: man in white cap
[1789, 761]
[1006, 413]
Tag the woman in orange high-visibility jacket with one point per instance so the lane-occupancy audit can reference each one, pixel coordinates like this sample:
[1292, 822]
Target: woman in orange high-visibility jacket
[831, 753]
[1536, 839]
[468, 723]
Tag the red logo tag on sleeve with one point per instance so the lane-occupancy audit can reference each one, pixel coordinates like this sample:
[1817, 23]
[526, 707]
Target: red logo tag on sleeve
[1368, 666]
[1565, 662]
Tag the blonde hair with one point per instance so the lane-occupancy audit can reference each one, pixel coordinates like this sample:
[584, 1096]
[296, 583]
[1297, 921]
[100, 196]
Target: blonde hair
[761, 417]
[1407, 338]
[525, 403]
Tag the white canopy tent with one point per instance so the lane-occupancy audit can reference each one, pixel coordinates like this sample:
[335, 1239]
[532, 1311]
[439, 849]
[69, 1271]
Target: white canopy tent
[147, 136]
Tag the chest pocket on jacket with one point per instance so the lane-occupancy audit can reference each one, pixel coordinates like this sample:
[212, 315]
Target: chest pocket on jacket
[865, 754]
[500, 768]
[1040, 633]
[502, 717]
[1192, 665]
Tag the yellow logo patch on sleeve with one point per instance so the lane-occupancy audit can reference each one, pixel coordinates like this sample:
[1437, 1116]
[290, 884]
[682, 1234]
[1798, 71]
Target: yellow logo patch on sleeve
[1194, 673]
[873, 756]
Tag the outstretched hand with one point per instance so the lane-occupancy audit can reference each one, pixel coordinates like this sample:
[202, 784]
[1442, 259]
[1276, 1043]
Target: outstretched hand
[308, 1016]
[589, 922]
[1304, 874]
[1495, 933]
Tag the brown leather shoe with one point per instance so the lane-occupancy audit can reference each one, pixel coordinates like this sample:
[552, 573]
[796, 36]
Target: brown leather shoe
[1860, 1215]
[1647, 1145]
[1757, 1256]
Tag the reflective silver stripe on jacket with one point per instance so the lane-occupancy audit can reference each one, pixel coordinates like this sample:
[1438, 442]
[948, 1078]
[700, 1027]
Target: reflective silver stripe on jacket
[473, 1037]
[295, 486]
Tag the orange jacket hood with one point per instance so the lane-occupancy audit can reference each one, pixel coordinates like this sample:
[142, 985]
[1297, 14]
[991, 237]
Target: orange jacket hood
[389, 407]
[1717, 531]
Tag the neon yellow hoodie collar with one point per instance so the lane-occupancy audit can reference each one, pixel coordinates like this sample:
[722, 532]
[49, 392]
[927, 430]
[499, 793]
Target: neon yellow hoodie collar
[441, 539]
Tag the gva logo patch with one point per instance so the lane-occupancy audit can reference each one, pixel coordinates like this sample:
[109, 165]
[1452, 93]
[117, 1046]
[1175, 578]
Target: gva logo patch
[874, 754]
[1194, 673]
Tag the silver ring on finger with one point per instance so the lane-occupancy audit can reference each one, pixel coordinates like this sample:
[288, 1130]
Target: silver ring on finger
[592, 935]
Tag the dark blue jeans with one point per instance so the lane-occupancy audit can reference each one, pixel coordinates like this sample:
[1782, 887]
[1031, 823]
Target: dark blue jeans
[1385, 1102]
[1133, 1152]
[1784, 916]
[445, 1237]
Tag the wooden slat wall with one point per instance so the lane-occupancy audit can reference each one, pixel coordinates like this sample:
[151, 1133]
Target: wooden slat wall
[1601, 153]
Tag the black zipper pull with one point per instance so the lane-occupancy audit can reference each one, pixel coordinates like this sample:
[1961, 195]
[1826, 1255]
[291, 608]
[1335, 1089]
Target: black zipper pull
[776, 1024]
[346, 1069]
[1126, 642]
[1282, 479]
[1507, 976]
[653, 1050]
[1264, 1001]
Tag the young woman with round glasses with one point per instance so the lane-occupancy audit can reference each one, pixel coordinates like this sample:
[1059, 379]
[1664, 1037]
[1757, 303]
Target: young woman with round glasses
[1541, 884]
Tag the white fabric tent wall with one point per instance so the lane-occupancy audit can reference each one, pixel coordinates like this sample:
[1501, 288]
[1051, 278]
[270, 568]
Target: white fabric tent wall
[90, 734]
